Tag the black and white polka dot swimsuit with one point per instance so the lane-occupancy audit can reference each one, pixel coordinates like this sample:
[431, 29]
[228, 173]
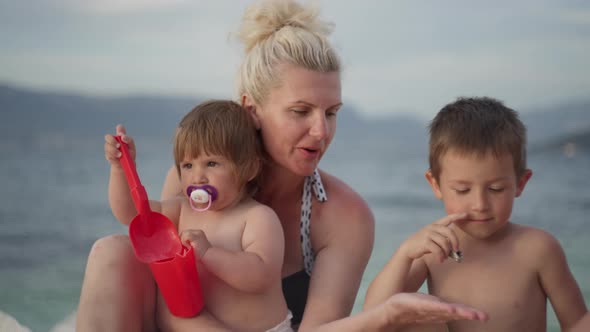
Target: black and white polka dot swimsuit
[313, 182]
[296, 286]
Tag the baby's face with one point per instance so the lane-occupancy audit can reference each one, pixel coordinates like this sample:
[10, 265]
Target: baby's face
[484, 187]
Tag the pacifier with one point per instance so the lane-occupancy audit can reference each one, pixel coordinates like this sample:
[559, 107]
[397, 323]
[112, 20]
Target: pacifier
[201, 195]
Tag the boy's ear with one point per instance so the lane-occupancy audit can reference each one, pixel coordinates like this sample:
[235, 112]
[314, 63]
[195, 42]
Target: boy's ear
[523, 181]
[433, 184]
[249, 105]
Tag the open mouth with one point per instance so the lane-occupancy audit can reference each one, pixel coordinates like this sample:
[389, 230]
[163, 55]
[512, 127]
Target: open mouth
[311, 152]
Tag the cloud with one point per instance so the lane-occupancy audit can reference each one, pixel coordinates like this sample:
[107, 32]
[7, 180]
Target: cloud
[575, 16]
[121, 6]
[422, 83]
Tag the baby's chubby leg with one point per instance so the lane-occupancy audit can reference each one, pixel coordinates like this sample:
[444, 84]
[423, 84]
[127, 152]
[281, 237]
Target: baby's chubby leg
[204, 321]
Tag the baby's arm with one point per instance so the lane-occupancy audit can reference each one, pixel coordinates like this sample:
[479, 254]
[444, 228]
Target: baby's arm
[119, 196]
[406, 270]
[120, 199]
[259, 264]
[558, 282]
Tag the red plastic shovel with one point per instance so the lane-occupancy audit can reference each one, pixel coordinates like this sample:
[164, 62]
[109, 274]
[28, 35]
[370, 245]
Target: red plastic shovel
[153, 236]
[156, 242]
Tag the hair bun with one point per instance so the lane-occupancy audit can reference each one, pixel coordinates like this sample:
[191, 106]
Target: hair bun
[265, 18]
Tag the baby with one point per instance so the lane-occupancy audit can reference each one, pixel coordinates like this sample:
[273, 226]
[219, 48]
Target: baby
[238, 242]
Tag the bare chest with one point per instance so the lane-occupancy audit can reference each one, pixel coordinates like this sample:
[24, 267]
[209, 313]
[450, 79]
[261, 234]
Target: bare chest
[223, 230]
[505, 287]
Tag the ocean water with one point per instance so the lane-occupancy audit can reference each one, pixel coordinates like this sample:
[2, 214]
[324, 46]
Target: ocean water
[53, 196]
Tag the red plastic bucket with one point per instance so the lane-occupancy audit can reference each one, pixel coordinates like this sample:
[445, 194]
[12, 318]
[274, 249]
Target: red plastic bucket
[179, 284]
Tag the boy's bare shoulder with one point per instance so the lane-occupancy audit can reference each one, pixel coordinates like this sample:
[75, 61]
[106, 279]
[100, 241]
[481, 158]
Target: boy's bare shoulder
[537, 243]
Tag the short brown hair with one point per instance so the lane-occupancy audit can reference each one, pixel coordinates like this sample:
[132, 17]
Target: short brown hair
[221, 127]
[477, 125]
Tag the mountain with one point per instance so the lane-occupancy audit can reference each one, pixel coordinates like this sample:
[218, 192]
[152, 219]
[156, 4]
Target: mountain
[28, 115]
[37, 116]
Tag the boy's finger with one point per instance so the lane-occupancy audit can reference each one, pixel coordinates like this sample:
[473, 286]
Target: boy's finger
[451, 236]
[443, 242]
[451, 218]
[435, 249]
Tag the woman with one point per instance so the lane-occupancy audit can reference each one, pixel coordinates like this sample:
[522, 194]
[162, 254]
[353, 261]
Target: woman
[290, 83]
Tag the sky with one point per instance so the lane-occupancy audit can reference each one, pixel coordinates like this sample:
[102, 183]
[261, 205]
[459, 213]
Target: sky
[399, 56]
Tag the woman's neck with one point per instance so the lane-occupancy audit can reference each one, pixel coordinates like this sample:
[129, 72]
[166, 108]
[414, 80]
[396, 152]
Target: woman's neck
[278, 183]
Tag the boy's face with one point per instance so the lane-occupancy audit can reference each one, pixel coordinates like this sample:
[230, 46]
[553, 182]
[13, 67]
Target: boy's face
[483, 187]
[213, 170]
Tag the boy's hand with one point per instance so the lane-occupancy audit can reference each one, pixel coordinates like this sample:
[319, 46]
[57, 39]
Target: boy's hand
[197, 239]
[437, 238]
[111, 146]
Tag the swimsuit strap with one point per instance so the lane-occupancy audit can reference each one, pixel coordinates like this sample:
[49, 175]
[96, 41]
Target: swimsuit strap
[311, 182]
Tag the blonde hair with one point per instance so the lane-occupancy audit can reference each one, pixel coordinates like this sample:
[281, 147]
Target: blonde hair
[221, 127]
[279, 32]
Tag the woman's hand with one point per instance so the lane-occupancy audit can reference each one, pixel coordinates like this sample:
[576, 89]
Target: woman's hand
[111, 146]
[417, 308]
[437, 238]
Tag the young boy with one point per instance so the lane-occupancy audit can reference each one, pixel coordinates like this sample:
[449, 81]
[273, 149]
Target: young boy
[239, 242]
[477, 168]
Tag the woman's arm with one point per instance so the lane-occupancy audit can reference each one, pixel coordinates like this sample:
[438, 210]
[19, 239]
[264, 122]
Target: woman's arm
[342, 233]
[401, 310]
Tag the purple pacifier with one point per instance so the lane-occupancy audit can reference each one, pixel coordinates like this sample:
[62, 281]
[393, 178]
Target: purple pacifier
[201, 195]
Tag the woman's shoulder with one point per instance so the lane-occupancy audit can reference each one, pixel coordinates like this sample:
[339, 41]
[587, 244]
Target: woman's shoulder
[343, 201]
[344, 224]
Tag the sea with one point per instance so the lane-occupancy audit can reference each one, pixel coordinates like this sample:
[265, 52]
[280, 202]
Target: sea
[53, 194]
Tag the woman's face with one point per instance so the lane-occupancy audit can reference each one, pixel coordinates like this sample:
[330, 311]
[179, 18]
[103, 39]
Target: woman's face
[298, 119]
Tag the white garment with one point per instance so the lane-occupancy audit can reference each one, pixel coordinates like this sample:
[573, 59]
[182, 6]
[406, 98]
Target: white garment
[284, 326]
[9, 324]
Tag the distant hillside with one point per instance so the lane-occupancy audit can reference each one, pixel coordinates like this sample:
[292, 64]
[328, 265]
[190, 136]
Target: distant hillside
[568, 143]
[25, 113]
[552, 122]
[29, 115]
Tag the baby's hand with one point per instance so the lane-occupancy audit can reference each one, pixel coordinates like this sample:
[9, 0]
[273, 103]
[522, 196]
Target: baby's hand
[197, 239]
[437, 238]
[111, 146]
